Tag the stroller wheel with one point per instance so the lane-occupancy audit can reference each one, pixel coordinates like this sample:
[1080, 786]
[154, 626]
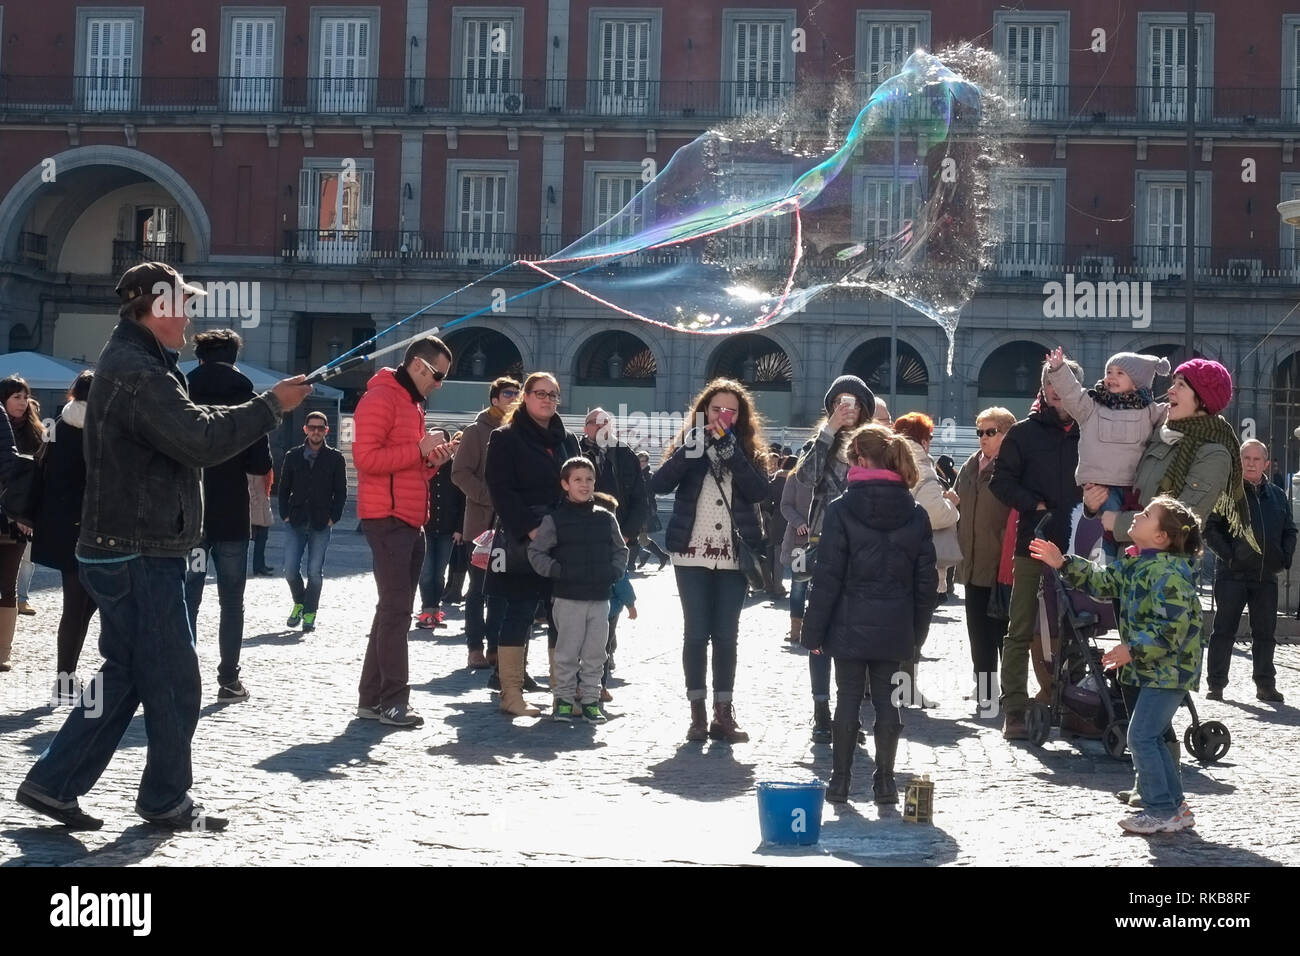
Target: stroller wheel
[1116, 738]
[1208, 742]
[1038, 722]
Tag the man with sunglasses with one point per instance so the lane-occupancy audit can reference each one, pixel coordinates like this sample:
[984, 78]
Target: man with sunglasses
[393, 454]
[313, 490]
[467, 475]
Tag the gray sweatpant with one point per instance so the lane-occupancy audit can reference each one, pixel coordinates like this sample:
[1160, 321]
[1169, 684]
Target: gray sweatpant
[583, 628]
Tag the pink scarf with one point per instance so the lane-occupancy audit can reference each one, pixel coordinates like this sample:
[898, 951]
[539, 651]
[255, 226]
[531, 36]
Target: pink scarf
[858, 473]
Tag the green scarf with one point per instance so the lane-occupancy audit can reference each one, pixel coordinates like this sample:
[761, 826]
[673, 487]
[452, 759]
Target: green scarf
[1231, 505]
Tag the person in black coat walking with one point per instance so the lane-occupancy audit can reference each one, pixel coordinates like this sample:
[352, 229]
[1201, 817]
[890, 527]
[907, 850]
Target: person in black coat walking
[58, 525]
[442, 537]
[717, 473]
[313, 491]
[29, 435]
[1248, 578]
[522, 471]
[226, 523]
[640, 550]
[872, 595]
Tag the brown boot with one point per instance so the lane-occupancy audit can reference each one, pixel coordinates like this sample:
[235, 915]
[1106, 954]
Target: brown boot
[724, 726]
[510, 663]
[1013, 726]
[477, 661]
[8, 621]
[699, 729]
[796, 628]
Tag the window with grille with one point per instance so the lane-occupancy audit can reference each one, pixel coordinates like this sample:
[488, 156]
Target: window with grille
[1164, 251]
[758, 67]
[481, 214]
[486, 66]
[1028, 226]
[624, 67]
[1031, 67]
[335, 213]
[764, 238]
[883, 219]
[252, 64]
[888, 47]
[110, 64]
[344, 65]
[612, 192]
[1166, 95]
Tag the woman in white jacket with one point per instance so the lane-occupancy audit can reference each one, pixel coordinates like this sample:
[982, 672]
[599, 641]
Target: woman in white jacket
[941, 506]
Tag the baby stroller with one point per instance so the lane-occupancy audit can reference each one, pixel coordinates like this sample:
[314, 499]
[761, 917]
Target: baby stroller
[1073, 621]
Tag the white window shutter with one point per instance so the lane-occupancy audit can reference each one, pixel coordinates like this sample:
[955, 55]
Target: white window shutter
[305, 199]
[367, 199]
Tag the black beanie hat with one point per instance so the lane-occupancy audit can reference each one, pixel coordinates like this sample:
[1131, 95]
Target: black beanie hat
[852, 385]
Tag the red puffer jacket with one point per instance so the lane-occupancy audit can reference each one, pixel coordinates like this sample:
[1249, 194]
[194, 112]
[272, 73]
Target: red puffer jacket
[392, 478]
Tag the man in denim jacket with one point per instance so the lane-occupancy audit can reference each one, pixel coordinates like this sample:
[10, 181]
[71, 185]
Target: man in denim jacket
[146, 446]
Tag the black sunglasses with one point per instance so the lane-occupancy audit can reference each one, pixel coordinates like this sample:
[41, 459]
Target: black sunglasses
[986, 433]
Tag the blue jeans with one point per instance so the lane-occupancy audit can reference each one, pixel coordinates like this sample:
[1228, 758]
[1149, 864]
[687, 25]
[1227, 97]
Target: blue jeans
[1157, 775]
[1114, 502]
[711, 605]
[433, 574]
[799, 600]
[231, 559]
[149, 658]
[314, 542]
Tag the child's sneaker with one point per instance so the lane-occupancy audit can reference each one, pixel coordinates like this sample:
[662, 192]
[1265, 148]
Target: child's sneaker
[295, 616]
[563, 711]
[591, 713]
[308, 621]
[1148, 823]
[426, 621]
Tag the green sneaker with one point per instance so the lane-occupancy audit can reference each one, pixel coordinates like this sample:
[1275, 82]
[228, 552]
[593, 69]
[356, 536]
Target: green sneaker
[591, 713]
[295, 616]
[563, 710]
[309, 621]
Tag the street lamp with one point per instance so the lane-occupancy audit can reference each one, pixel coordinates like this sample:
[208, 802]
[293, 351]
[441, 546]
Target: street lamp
[748, 369]
[1022, 379]
[477, 362]
[615, 365]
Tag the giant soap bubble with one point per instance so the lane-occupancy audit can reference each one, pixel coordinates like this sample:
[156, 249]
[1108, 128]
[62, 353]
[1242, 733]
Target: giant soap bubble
[752, 221]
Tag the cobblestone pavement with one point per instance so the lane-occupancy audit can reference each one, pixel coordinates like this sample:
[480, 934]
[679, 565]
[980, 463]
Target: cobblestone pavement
[304, 782]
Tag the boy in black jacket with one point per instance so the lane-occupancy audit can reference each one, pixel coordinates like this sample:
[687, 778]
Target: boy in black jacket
[313, 490]
[581, 549]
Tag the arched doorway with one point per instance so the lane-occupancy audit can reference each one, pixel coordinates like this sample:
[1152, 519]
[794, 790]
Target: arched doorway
[911, 379]
[1283, 416]
[613, 368]
[757, 362]
[1009, 377]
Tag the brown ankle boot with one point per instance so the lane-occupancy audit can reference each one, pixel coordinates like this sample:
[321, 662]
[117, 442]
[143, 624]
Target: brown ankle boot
[724, 726]
[699, 729]
[511, 661]
[8, 624]
[796, 628]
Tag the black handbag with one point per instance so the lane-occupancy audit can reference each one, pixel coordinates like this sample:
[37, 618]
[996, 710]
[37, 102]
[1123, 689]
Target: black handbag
[21, 498]
[999, 607]
[749, 558]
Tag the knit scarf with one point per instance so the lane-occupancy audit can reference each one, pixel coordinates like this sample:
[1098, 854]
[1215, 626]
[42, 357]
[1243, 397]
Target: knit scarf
[1215, 429]
[1124, 400]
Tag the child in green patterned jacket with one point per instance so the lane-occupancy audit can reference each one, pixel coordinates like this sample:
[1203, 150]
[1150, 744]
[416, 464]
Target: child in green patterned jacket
[1160, 647]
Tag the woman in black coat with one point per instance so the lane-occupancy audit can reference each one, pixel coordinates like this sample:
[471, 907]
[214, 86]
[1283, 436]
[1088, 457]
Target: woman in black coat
[522, 472]
[872, 594]
[58, 525]
[719, 482]
[29, 436]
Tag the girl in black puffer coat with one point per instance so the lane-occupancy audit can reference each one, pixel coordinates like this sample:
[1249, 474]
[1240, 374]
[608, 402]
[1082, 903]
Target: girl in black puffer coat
[873, 589]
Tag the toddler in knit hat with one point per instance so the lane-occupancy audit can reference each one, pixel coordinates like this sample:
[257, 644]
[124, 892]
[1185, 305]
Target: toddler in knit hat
[1115, 416]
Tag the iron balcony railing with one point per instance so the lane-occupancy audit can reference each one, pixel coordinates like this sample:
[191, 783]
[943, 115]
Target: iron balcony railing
[1035, 105]
[1011, 262]
[127, 253]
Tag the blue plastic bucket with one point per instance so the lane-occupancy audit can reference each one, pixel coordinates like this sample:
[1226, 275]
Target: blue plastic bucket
[790, 814]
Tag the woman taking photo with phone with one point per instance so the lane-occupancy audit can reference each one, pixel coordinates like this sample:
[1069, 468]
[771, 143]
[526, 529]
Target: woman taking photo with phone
[823, 471]
[715, 468]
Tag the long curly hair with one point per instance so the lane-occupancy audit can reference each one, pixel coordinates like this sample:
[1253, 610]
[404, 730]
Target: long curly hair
[748, 426]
